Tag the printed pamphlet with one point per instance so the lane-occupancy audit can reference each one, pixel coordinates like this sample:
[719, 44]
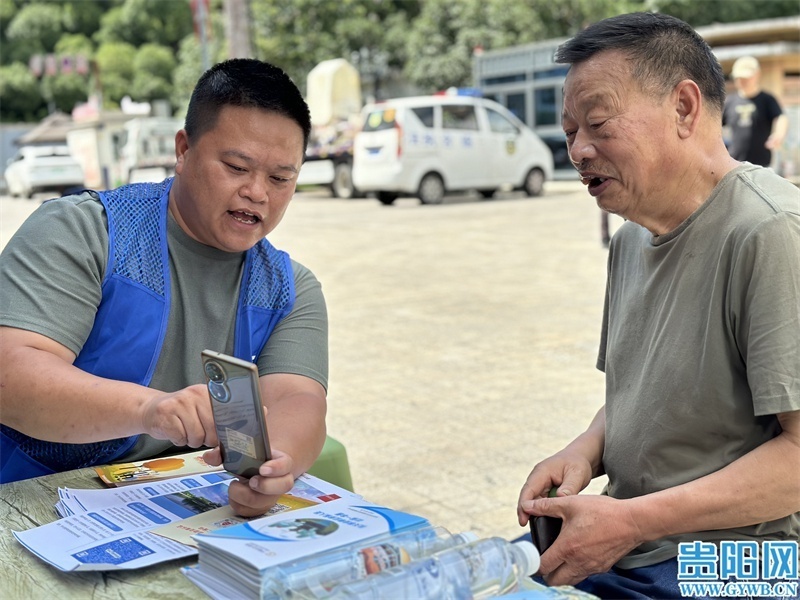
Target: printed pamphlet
[155, 469]
[121, 528]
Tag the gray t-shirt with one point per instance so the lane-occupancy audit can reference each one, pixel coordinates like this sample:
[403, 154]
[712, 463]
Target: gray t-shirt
[51, 273]
[701, 345]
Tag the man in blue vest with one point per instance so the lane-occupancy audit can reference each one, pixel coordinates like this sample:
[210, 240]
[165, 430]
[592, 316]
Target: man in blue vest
[107, 300]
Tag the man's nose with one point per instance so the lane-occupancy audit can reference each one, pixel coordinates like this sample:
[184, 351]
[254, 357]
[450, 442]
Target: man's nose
[581, 149]
[256, 189]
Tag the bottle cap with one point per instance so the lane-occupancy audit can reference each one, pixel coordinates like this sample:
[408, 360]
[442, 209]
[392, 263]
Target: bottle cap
[531, 556]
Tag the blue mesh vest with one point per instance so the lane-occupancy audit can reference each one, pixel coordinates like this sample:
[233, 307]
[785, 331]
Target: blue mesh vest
[131, 321]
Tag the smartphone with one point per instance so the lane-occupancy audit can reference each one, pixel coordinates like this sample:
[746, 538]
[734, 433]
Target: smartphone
[238, 413]
[544, 531]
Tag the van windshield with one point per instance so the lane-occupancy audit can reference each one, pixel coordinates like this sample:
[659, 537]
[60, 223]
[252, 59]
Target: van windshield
[380, 119]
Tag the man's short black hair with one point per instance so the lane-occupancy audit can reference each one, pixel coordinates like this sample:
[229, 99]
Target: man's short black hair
[248, 83]
[662, 50]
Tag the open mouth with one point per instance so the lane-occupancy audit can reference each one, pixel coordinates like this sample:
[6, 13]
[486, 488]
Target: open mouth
[593, 181]
[244, 217]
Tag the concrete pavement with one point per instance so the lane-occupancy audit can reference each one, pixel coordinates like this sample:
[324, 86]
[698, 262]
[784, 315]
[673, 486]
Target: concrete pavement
[462, 340]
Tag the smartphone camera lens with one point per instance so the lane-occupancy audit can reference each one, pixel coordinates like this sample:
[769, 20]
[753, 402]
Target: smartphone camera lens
[219, 391]
[215, 372]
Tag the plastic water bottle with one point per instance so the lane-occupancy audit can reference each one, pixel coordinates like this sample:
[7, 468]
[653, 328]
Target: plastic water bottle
[314, 576]
[481, 569]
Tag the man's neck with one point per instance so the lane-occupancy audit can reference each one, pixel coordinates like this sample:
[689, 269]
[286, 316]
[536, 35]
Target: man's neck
[692, 184]
[750, 91]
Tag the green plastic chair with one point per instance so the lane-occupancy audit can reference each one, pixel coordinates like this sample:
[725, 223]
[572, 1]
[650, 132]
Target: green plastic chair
[332, 465]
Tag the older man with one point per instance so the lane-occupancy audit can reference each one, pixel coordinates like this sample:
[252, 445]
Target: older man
[700, 432]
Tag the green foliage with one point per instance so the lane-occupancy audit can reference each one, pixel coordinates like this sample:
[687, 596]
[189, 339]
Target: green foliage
[38, 21]
[67, 90]
[443, 38]
[84, 17]
[299, 34]
[566, 17]
[432, 42]
[153, 67]
[20, 96]
[186, 73]
[115, 64]
[8, 8]
[155, 60]
[708, 12]
[139, 22]
[74, 44]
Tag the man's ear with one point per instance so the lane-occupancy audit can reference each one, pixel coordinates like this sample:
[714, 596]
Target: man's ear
[688, 102]
[181, 146]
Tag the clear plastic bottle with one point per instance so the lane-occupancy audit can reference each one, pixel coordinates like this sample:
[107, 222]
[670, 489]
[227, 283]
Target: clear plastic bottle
[481, 569]
[314, 576]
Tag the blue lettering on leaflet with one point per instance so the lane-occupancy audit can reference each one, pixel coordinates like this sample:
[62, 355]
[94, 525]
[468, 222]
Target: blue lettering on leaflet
[104, 522]
[113, 553]
[148, 513]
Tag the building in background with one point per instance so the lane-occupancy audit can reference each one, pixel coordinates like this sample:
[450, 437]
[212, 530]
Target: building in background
[526, 80]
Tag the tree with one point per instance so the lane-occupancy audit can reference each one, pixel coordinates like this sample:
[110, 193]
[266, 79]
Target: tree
[74, 44]
[186, 74]
[297, 35]
[82, 17]
[66, 90]
[115, 64]
[139, 22]
[443, 38]
[34, 29]
[708, 12]
[8, 9]
[567, 17]
[153, 67]
[20, 96]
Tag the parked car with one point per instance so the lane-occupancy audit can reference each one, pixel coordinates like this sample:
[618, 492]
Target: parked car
[43, 168]
[427, 146]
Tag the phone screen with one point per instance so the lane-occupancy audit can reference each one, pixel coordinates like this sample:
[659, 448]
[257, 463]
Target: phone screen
[238, 414]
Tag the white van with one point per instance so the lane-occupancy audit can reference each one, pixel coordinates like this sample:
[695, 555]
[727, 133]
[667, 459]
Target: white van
[426, 146]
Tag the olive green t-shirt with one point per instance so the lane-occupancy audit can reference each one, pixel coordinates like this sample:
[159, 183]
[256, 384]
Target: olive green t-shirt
[51, 274]
[701, 345]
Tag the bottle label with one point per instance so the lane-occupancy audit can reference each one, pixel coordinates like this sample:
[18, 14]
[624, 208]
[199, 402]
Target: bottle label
[380, 557]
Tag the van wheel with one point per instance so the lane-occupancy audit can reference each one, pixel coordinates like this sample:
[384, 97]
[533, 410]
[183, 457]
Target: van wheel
[342, 185]
[486, 193]
[431, 189]
[534, 183]
[386, 198]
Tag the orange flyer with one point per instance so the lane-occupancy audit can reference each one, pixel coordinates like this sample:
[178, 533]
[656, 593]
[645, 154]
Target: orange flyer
[154, 469]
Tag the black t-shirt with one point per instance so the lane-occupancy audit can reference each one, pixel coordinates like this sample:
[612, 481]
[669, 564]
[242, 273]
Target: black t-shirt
[750, 120]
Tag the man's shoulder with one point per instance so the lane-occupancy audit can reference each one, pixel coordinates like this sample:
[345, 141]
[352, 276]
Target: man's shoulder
[302, 273]
[768, 189]
[84, 206]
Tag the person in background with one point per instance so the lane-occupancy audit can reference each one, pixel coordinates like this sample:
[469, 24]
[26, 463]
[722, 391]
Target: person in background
[699, 435]
[108, 298]
[757, 123]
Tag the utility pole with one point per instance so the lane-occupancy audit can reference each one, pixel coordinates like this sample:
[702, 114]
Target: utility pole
[200, 17]
[237, 28]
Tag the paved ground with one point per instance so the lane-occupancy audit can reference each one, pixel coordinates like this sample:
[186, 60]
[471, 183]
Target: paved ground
[462, 340]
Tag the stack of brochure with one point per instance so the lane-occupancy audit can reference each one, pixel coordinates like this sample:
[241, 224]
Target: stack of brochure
[237, 562]
[148, 523]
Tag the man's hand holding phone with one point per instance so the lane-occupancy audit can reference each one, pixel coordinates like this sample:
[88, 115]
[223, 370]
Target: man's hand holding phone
[240, 420]
[251, 497]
